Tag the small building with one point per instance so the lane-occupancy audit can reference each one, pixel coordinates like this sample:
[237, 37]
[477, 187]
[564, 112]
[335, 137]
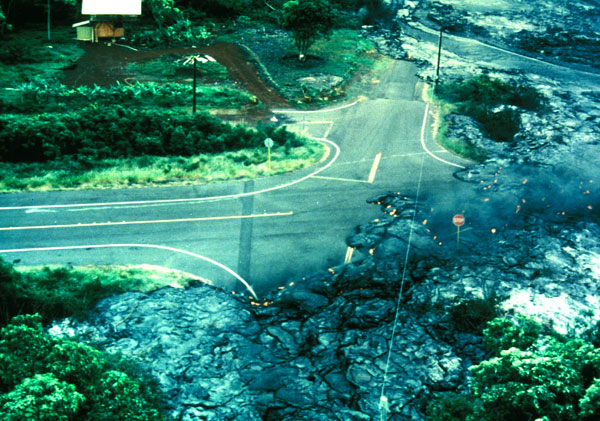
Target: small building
[106, 18]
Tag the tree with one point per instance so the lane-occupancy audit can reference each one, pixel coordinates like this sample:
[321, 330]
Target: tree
[48, 378]
[547, 377]
[308, 20]
[41, 397]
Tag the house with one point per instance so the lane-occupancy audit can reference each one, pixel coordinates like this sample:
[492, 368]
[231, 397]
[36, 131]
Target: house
[106, 18]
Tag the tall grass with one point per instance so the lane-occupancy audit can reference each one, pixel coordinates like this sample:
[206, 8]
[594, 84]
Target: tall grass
[60, 291]
[154, 170]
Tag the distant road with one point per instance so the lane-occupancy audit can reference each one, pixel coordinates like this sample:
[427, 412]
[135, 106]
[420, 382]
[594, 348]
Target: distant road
[487, 53]
[268, 231]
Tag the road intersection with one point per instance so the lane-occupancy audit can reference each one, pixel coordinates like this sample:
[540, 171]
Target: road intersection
[264, 232]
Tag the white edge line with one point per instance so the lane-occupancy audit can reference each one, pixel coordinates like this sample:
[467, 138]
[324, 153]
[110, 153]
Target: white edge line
[425, 147]
[197, 199]
[428, 30]
[339, 179]
[189, 253]
[328, 110]
[147, 222]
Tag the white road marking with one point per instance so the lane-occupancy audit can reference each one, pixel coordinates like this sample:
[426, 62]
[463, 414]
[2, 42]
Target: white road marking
[190, 200]
[197, 256]
[349, 253]
[425, 147]
[158, 221]
[315, 111]
[424, 28]
[340, 179]
[373, 172]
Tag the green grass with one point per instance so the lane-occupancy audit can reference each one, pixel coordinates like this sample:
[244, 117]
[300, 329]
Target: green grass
[171, 66]
[345, 54]
[153, 170]
[60, 291]
[26, 55]
[478, 98]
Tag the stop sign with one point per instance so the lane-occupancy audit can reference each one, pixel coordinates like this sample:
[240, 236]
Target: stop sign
[458, 220]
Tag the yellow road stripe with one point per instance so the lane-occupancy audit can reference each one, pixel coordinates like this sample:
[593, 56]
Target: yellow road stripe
[158, 221]
[349, 253]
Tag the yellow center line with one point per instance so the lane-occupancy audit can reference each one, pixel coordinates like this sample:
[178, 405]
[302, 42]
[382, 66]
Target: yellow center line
[374, 168]
[349, 253]
[158, 221]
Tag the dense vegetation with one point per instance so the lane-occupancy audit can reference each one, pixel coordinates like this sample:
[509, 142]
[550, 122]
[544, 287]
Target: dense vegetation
[492, 102]
[47, 378]
[534, 374]
[116, 132]
[57, 292]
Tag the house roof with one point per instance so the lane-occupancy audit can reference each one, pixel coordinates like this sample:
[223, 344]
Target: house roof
[111, 7]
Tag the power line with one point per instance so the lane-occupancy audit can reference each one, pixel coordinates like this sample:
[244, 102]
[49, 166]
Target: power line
[383, 401]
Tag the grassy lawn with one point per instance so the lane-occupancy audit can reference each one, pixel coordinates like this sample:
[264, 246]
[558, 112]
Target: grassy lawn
[28, 55]
[345, 54]
[153, 170]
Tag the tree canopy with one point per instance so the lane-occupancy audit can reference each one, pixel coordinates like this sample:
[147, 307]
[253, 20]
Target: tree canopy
[308, 20]
[532, 376]
[48, 378]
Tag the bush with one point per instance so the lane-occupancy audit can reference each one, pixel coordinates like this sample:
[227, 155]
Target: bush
[115, 132]
[488, 101]
[501, 334]
[472, 315]
[532, 376]
[182, 32]
[449, 406]
[48, 378]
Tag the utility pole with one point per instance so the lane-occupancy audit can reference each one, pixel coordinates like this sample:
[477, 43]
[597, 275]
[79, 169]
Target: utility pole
[194, 93]
[48, 20]
[437, 69]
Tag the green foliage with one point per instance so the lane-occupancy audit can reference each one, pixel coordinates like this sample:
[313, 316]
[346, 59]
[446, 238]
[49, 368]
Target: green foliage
[44, 96]
[533, 376]
[222, 8]
[56, 292]
[501, 333]
[22, 350]
[485, 100]
[48, 378]
[42, 397]
[472, 315]
[547, 380]
[181, 32]
[308, 20]
[170, 65]
[96, 133]
[449, 406]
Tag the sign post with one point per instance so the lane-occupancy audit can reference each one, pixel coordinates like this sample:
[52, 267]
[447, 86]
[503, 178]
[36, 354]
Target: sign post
[269, 144]
[459, 221]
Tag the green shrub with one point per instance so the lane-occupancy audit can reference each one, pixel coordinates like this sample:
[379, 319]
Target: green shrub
[48, 378]
[533, 376]
[116, 132]
[487, 100]
[182, 32]
[449, 406]
[472, 315]
[501, 333]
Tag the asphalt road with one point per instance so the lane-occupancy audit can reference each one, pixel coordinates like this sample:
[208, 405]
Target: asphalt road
[269, 231]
